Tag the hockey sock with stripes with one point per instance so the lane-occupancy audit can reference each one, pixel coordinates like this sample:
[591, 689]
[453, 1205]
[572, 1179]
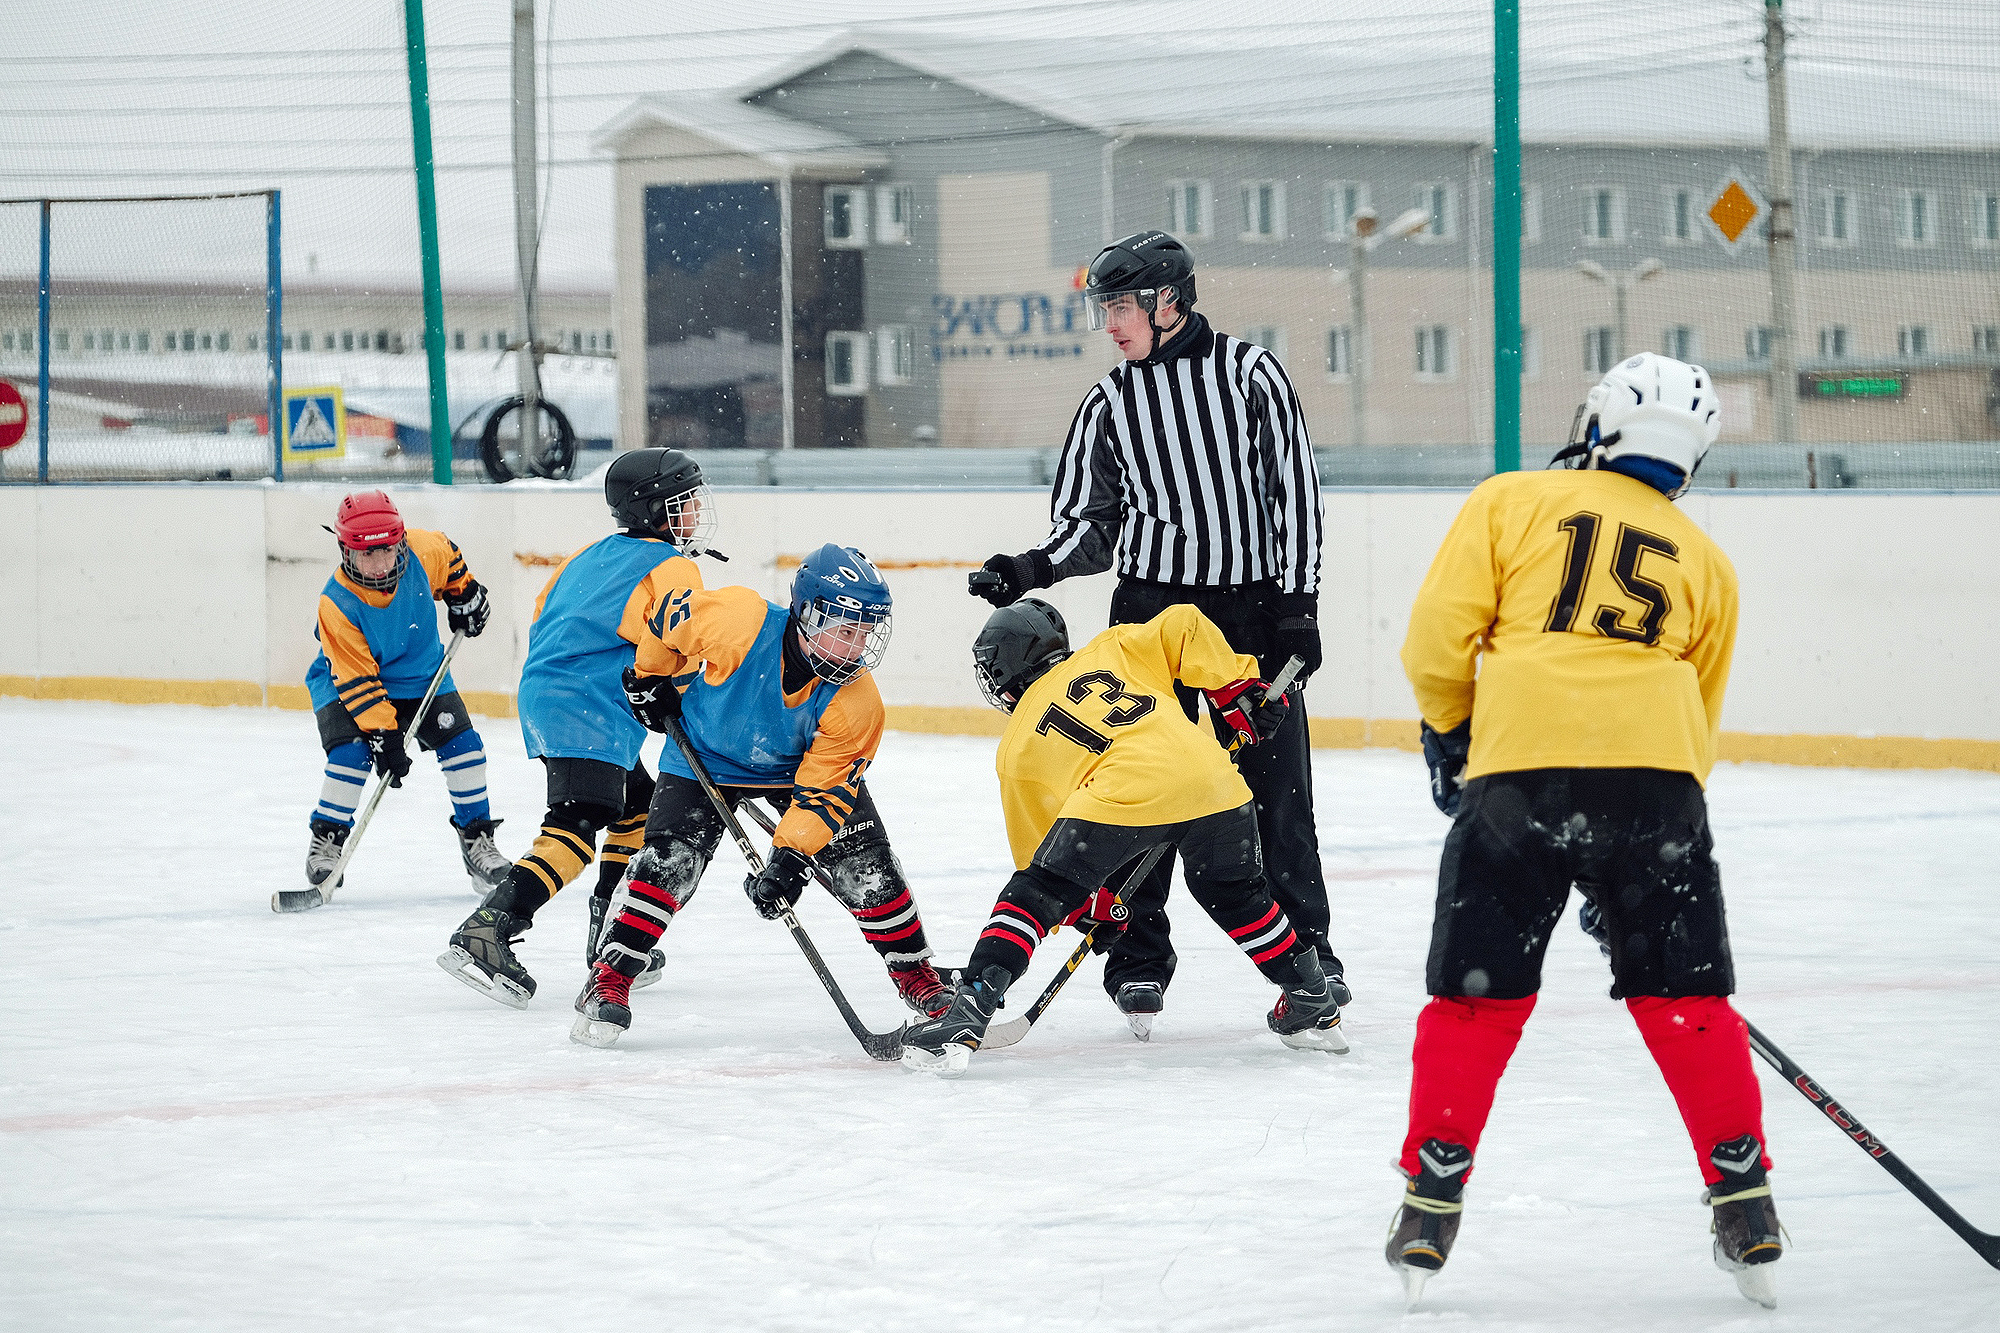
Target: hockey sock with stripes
[1260, 928]
[661, 882]
[559, 853]
[463, 759]
[621, 843]
[1025, 912]
[1703, 1050]
[1463, 1045]
[340, 792]
[870, 885]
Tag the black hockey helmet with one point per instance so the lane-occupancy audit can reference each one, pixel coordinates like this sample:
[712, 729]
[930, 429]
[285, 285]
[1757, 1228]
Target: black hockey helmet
[661, 490]
[1145, 264]
[1018, 644]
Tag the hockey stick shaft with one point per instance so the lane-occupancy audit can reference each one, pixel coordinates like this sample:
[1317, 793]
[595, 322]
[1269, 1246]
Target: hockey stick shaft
[878, 1045]
[1985, 1244]
[382, 783]
[1279, 684]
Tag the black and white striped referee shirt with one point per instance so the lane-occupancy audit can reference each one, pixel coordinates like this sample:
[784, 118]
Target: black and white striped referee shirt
[1195, 469]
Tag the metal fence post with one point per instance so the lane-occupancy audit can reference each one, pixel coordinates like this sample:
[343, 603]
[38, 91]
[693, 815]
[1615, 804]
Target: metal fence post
[274, 297]
[42, 348]
[1506, 235]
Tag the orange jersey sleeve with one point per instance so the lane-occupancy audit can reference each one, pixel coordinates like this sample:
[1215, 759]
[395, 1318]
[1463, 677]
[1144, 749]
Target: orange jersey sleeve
[355, 670]
[829, 777]
[443, 562]
[652, 593]
[714, 628]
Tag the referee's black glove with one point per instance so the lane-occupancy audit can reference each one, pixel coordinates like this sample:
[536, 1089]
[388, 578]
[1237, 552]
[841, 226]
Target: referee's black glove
[1296, 633]
[1005, 578]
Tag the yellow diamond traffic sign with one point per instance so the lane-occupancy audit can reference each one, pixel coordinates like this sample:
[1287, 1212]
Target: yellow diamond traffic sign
[1733, 211]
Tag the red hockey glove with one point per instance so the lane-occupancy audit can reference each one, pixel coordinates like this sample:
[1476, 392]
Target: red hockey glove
[1102, 913]
[1247, 709]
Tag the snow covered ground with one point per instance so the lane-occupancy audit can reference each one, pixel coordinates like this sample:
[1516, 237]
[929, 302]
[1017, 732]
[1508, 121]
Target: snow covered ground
[216, 1118]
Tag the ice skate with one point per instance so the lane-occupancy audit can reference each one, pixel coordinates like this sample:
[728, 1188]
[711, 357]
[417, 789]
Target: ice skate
[944, 1045]
[1141, 1002]
[482, 858]
[604, 1009]
[1336, 977]
[322, 855]
[922, 989]
[1747, 1235]
[1307, 1016]
[480, 956]
[1421, 1234]
[656, 959]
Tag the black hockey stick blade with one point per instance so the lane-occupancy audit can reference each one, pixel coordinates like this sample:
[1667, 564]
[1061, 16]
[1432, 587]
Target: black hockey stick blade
[1985, 1244]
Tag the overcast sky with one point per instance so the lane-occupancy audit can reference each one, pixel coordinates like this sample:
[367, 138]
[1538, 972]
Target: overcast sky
[108, 98]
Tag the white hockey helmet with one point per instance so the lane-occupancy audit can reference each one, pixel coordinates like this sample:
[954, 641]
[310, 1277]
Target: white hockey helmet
[1649, 406]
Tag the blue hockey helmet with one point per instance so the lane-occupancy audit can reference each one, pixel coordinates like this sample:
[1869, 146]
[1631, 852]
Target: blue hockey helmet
[842, 608]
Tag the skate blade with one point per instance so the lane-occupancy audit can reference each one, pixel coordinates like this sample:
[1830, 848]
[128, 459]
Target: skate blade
[1413, 1283]
[656, 964]
[461, 965]
[594, 1032]
[1141, 1025]
[1758, 1283]
[951, 1064]
[296, 900]
[1328, 1040]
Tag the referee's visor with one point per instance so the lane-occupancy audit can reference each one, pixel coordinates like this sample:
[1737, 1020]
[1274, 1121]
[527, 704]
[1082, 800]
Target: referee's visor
[1097, 307]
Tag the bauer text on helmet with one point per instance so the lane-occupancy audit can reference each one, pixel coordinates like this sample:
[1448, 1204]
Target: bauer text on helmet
[843, 610]
[1656, 415]
[370, 530]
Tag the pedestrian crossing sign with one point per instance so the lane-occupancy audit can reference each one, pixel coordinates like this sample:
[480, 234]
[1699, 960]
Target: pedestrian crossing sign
[315, 424]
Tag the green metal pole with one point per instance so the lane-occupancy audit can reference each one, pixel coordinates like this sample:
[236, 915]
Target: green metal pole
[420, 143]
[1506, 235]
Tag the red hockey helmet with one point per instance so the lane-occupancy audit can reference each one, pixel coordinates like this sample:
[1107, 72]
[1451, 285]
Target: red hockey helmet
[367, 520]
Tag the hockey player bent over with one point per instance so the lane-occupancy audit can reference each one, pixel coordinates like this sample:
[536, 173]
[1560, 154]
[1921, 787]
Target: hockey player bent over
[378, 637]
[588, 621]
[1574, 753]
[1097, 766]
[784, 708]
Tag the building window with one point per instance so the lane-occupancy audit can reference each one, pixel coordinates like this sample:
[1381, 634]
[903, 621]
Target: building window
[846, 217]
[1603, 217]
[250, 342]
[1986, 338]
[347, 341]
[1913, 340]
[381, 340]
[1340, 352]
[1916, 221]
[1680, 226]
[895, 354]
[222, 341]
[89, 341]
[1597, 349]
[1531, 213]
[62, 340]
[458, 340]
[1267, 336]
[895, 206]
[1678, 342]
[1190, 208]
[207, 342]
[1986, 218]
[1433, 352]
[1344, 201]
[1833, 343]
[607, 340]
[1836, 218]
[305, 341]
[7, 341]
[1757, 342]
[1263, 210]
[846, 364]
[1440, 203]
[145, 340]
[575, 341]
[1531, 354]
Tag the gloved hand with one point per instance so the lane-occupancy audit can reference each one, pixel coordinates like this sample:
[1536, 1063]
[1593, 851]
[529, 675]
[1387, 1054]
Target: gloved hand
[1005, 578]
[1102, 914]
[468, 610]
[654, 700]
[1445, 752]
[1248, 708]
[1296, 631]
[392, 761]
[774, 890]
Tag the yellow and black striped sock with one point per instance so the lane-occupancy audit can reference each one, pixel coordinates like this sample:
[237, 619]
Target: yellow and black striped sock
[621, 843]
[557, 856]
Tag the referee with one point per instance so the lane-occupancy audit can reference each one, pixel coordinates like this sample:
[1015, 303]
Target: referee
[1190, 467]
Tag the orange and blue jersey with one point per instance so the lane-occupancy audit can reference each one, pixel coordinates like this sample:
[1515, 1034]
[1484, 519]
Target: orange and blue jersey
[725, 649]
[378, 646]
[591, 614]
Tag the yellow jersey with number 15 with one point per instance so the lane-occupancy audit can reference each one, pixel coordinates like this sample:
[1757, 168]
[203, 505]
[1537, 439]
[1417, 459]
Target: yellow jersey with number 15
[1101, 736]
[1581, 620]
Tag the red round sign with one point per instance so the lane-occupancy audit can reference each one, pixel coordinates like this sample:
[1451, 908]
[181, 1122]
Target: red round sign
[13, 416]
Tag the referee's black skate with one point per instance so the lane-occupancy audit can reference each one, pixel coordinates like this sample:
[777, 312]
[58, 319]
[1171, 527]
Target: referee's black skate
[1426, 1224]
[944, 1045]
[1747, 1236]
[481, 955]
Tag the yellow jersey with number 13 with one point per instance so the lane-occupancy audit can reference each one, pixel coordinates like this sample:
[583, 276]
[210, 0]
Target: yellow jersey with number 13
[1101, 736]
[1581, 620]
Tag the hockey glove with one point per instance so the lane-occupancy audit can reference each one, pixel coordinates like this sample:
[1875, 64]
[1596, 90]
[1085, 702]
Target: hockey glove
[1445, 752]
[1005, 578]
[1103, 915]
[1295, 632]
[655, 701]
[783, 879]
[468, 610]
[1248, 708]
[391, 760]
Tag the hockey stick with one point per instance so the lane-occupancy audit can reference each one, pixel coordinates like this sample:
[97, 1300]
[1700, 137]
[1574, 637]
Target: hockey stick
[302, 900]
[770, 826]
[878, 1045]
[1985, 1244]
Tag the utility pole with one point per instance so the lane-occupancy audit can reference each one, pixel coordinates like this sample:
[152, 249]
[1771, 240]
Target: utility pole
[1784, 348]
[527, 230]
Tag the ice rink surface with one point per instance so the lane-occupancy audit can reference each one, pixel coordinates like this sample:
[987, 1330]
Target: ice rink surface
[216, 1118]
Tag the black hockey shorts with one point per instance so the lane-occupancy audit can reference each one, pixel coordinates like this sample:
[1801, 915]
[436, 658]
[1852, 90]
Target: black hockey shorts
[447, 718]
[1221, 848]
[1635, 841]
[606, 791]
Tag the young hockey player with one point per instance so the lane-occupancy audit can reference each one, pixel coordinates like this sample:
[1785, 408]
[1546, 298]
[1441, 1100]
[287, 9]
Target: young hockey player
[1098, 765]
[588, 622]
[378, 637]
[778, 702]
[1569, 650]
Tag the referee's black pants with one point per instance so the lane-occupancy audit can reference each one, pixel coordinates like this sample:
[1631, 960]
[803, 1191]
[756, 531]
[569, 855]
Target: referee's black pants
[1278, 771]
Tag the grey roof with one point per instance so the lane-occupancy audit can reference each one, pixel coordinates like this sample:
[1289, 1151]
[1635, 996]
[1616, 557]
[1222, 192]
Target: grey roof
[1311, 91]
[741, 128]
